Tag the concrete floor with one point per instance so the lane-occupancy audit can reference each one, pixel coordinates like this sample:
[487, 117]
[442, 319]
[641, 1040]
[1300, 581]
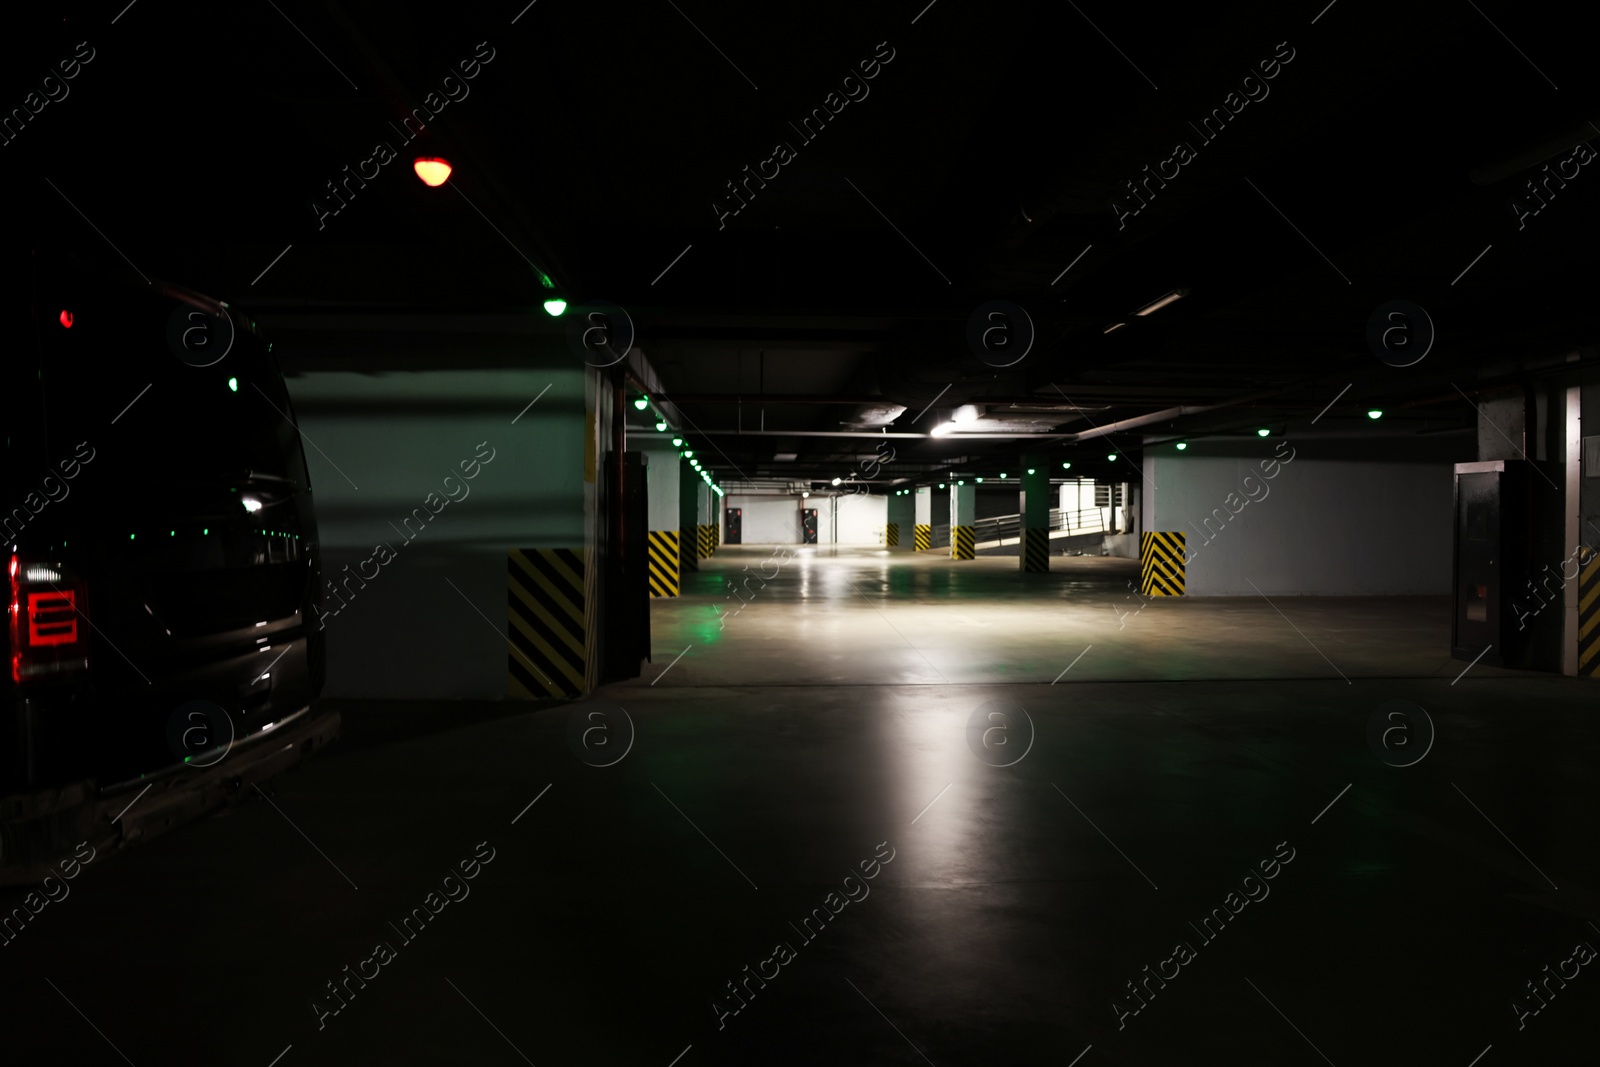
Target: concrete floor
[826, 723]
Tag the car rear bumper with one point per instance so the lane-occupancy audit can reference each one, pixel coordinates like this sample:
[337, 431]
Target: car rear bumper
[40, 828]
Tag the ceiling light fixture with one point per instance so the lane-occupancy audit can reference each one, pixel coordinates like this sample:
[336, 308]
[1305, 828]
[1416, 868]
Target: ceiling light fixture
[964, 413]
[1157, 305]
[1114, 327]
[1066, 466]
[677, 442]
[1263, 432]
[661, 426]
[941, 429]
[1375, 413]
[555, 306]
[642, 402]
[836, 481]
[1182, 445]
[432, 170]
[1111, 457]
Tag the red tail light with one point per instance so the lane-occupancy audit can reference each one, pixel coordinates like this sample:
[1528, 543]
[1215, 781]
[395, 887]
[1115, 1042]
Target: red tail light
[49, 620]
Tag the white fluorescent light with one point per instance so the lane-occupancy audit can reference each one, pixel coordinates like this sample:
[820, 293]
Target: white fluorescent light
[1157, 305]
[1114, 326]
[941, 429]
[964, 413]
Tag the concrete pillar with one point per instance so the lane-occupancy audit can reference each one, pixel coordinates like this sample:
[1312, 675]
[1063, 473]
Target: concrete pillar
[1034, 507]
[902, 516]
[923, 530]
[963, 511]
[688, 520]
[662, 538]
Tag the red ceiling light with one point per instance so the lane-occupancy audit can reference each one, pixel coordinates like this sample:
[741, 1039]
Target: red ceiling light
[432, 170]
[65, 318]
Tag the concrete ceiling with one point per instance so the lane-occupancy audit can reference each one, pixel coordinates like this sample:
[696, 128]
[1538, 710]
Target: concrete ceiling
[981, 163]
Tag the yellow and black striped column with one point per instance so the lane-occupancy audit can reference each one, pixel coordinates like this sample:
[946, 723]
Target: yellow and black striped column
[962, 542]
[716, 536]
[1589, 614]
[545, 628]
[891, 535]
[663, 552]
[705, 546]
[921, 536]
[1035, 551]
[1161, 566]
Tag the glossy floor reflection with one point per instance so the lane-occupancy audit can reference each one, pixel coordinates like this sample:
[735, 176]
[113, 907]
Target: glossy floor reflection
[826, 726]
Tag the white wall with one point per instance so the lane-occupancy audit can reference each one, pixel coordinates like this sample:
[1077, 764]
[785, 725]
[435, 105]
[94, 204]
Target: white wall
[1323, 525]
[861, 519]
[768, 520]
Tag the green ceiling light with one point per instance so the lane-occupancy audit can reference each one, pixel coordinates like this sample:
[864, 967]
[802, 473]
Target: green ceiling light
[661, 426]
[555, 306]
[642, 403]
[980, 481]
[1263, 432]
[1066, 466]
[233, 385]
[677, 442]
[1111, 457]
[1181, 445]
[690, 455]
[1002, 474]
[941, 485]
[1030, 470]
[962, 482]
[1375, 413]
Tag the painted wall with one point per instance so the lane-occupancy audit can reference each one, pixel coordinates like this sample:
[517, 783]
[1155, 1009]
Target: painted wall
[1339, 518]
[431, 623]
[776, 519]
[769, 520]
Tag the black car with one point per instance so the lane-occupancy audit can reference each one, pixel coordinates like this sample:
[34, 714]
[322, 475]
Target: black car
[161, 566]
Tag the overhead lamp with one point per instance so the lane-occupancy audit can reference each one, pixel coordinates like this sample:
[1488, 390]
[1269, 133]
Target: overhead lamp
[1002, 474]
[1066, 466]
[979, 480]
[690, 455]
[1114, 327]
[804, 495]
[1111, 457]
[1375, 413]
[1030, 470]
[677, 442]
[432, 170]
[1157, 305]
[661, 426]
[941, 485]
[964, 413]
[233, 385]
[941, 429]
[1182, 445]
[555, 306]
[836, 481]
[1263, 432]
[642, 403]
[962, 482]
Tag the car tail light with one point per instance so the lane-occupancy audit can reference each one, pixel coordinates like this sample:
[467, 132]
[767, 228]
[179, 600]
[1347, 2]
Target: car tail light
[49, 620]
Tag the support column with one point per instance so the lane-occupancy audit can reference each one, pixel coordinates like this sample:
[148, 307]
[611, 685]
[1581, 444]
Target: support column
[688, 520]
[901, 518]
[963, 512]
[662, 540]
[1034, 508]
[923, 530]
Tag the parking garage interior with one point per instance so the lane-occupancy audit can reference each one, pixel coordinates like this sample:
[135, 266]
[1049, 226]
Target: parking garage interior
[800, 535]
